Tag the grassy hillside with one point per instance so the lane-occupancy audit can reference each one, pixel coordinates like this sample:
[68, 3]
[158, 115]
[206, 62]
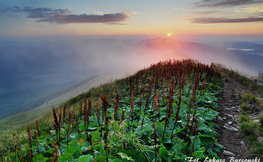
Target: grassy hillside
[164, 113]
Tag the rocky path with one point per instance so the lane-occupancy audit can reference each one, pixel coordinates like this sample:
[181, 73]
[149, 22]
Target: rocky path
[236, 144]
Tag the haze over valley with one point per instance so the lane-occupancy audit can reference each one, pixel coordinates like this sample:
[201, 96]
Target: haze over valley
[32, 70]
[52, 48]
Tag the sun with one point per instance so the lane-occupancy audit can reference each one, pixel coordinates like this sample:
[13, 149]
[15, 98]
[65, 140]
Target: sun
[169, 34]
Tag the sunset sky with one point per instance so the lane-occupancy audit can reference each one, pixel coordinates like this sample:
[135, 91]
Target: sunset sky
[35, 18]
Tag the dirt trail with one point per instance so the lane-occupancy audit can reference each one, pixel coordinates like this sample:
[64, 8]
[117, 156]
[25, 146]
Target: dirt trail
[230, 137]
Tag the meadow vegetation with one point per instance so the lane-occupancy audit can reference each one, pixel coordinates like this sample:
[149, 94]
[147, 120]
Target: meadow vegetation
[248, 127]
[163, 113]
[166, 112]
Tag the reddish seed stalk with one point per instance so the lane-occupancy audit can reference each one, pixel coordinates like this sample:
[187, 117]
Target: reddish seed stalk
[80, 110]
[177, 113]
[64, 113]
[132, 105]
[155, 108]
[38, 132]
[145, 108]
[166, 120]
[105, 104]
[55, 118]
[85, 114]
[116, 106]
[56, 125]
[59, 119]
[98, 113]
[69, 124]
[55, 154]
[88, 112]
[30, 142]
[155, 140]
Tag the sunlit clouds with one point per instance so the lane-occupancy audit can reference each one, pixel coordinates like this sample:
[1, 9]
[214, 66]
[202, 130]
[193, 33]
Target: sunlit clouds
[253, 9]
[144, 18]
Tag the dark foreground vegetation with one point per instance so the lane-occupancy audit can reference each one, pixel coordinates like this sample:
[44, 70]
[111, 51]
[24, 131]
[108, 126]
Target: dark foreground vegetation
[166, 112]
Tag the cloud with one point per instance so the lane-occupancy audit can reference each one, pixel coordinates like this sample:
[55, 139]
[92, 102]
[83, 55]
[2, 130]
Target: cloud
[43, 12]
[84, 18]
[254, 9]
[225, 3]
[179, 9]
[205, 13]
[64, 16]
[211, 20]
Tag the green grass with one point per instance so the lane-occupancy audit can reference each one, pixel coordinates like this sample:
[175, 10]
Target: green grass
[243, 79]
[247, 127]
[261, 119]
[21, 119]
[245, 107]
[244, 118]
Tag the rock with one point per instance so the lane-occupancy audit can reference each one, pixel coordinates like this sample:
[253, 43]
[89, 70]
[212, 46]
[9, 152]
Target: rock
[230, 128]
[224, 118]
[231, 116]
[243, 143]
[233, 107]
[230, 122]
[236, 126]
[256, 109]
[235, 118]
[220, 119]
[256, 121]
[234, 96]
[228, 153]
[260, 139]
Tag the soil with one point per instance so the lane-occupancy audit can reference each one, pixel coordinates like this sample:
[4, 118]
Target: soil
[232, 140]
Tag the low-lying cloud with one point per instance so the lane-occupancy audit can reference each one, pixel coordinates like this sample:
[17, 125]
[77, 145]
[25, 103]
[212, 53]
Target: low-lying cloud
[225, 3]
[64, 16]
[211, 20]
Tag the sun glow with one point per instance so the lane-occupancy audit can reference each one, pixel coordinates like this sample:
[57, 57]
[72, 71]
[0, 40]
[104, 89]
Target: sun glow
[169, 34]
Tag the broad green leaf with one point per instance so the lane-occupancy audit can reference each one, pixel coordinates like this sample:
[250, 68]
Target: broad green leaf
[137, 156]
[218, 148]
[85, 158]
[213, 155]
[73, 148]
[202, 126]
[199, 153]
[125, 156]
[206, 140]
[100, 158]
[159, 128]
[197, 143]
[95, 136]
[162, 152]
[40, 158]
[67, 157]
[116, 160]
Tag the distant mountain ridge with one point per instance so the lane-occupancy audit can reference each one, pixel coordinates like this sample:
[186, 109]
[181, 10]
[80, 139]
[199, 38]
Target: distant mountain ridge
[206, 53]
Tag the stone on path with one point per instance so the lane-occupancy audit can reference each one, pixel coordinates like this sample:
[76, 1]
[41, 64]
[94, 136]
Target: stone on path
[230, 128]
[228, 153]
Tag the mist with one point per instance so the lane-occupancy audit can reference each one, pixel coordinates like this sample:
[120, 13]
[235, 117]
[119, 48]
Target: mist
[31, 68]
